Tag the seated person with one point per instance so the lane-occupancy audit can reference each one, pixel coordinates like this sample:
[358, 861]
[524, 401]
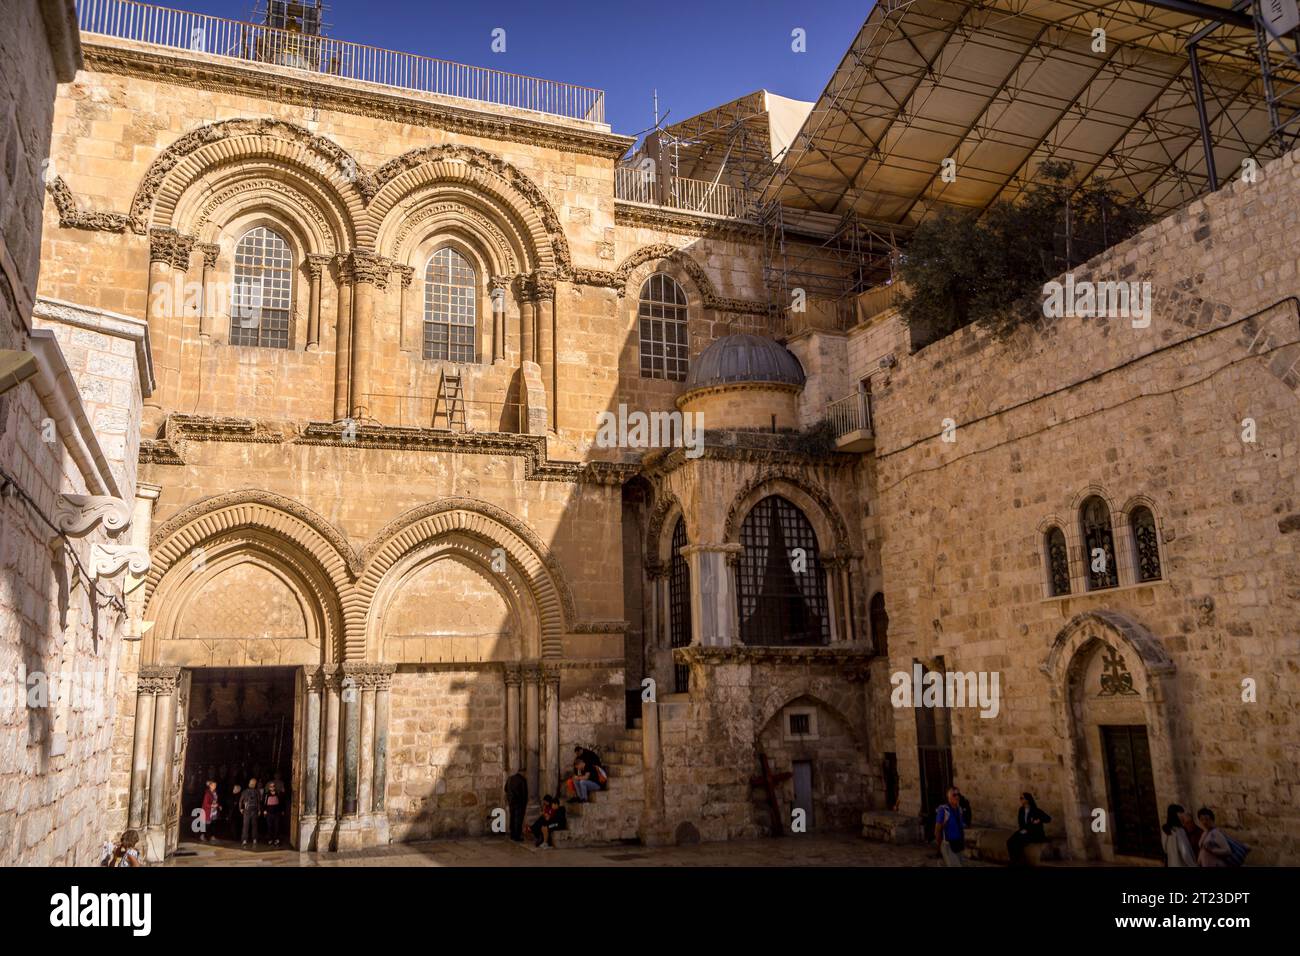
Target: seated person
[553, 818]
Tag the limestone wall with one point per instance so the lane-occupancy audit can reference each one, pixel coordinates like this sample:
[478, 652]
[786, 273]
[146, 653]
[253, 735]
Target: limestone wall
[1140, 416]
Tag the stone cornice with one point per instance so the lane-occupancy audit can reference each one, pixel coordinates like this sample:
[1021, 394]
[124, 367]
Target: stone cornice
[686, 223]
[844, 657]
[183, 429]
[735, 446]
[135, 331]
[357, 99]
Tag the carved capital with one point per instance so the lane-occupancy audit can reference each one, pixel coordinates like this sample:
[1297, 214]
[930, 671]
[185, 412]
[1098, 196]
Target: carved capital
[108, 560]
[370, 267]
[317, 264]
[157, 679]
[314, 681]
[366, 676]
[543, 285]
[514, 675]
[78, 514]
[210, 252]
[551, 675]
[171, 247]
[407, 273]
[343, 262]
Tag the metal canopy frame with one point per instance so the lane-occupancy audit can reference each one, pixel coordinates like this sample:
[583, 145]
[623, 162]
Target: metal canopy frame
[999, 86]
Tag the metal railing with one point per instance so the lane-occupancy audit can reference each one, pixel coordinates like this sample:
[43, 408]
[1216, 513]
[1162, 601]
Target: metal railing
[850, 414]
[878, 299]
[183, 30]
[635, 184]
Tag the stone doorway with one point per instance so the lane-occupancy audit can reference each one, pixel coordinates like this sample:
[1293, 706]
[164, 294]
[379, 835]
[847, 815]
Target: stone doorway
[1131, 788]
[240, 724]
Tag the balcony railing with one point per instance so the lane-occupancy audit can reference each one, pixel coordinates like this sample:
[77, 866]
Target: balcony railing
[878, 299]
[850, 414]
[634, 184]
[182, 30]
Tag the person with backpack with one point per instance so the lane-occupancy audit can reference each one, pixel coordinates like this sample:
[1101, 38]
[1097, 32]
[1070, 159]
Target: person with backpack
[274, 812]
[250, 805]
[950, 829]
[1217, 848]
[1030, 822]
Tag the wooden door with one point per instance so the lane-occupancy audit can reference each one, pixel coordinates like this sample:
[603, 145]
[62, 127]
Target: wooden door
[176, 777]
[1134, 813]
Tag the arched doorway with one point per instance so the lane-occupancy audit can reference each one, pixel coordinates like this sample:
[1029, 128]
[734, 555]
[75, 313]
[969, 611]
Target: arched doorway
[1111, 687]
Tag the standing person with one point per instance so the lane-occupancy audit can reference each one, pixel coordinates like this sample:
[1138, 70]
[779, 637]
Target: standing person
[1214, 845]
[1030, 822]
[517, 801]
[211, 809]
[1178, 848]
[250, 805]
[234, 822]
[274, 811]
[950, 830]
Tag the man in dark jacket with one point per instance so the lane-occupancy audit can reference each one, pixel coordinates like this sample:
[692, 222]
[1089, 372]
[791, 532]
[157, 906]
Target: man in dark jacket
[589, 757]
[517, 801]
[250, 804]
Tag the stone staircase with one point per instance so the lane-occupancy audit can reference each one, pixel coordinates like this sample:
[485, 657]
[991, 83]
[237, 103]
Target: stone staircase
[611, 816]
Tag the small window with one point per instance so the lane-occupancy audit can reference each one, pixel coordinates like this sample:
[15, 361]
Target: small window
[800, 724]
[1098, 545]
[450, 308]
[779, 604]
[1146, 547]
[262, 297]
[679, 605]
[661, 320]
[1058, 562]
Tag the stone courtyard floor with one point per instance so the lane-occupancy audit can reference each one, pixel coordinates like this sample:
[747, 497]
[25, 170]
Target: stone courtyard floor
[807, 850]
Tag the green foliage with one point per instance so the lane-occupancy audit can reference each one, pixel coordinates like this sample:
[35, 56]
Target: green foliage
[963, 268]
[815, 441]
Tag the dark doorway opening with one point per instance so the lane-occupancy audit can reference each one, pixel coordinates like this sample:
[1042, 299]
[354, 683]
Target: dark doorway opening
[1134, 811]
[240, 726]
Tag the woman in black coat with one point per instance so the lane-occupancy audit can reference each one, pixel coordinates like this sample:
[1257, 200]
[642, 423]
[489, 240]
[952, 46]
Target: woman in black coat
[1030, 822]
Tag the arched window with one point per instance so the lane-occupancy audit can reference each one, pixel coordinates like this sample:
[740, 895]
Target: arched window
[879, 624]
[1146, 548]
[1098, 544]
[450, 307]
[782, 593]
[262, 298]
[661, 320]
[679, 604]
[1058, 562]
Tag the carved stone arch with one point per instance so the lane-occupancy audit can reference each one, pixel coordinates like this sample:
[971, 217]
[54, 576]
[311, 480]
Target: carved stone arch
[470, 550]
[840, 703]
[280, 199]
[451, 208]
[679, 263]
[312, 159]
[660, 527]
[482, 172]
[486, 523]
[1154, 690]
[1083, 495]
[813, 500]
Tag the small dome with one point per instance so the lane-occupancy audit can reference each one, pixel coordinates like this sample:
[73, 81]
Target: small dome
[741, 357]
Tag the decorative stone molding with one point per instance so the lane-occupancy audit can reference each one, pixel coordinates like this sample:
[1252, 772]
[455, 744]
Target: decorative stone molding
[343, 263]
[211, 251]
[70, 217]
[513, 675]
[551, 675]
[157, 679]
[108, 560]
[256, 81]
[170, 247]
[601, 627]
[406, 272]
[369, 676]
[462, 212]
[685, 222]
[370, 267]
[76, 515]
[317, 264]
[543, 285]
[314, 680]
[622, 277]
[771, 481]
[843, 657]
[331, 234]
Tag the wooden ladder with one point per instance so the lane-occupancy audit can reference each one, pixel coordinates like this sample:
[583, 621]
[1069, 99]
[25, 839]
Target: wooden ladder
[451, 398]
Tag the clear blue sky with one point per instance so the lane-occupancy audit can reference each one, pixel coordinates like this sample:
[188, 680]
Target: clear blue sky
[698, 54]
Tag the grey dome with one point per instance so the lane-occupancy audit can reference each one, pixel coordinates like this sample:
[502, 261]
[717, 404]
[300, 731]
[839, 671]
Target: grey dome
[741, 357]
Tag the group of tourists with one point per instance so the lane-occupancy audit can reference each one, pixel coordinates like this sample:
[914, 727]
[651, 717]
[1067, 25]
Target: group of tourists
[1198, 842]
[588, 776]
[1186, 842]
[249, 807]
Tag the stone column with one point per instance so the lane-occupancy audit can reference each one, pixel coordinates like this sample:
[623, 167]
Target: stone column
[713, 595]
[383, 691]
[162, 682]
[834, 606]
[532, 729]
[142, 748]
[366, 781]
[207, 309]
[513, 679]
[343, 338]
[350, 697]
[313, 687]
[527, 320]
[546, 340]
[316, 266]
[551, 676]
[846, 589]
[371, 272]
[169, 250]
[329, 732]
[497, 286]
[405, 337]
